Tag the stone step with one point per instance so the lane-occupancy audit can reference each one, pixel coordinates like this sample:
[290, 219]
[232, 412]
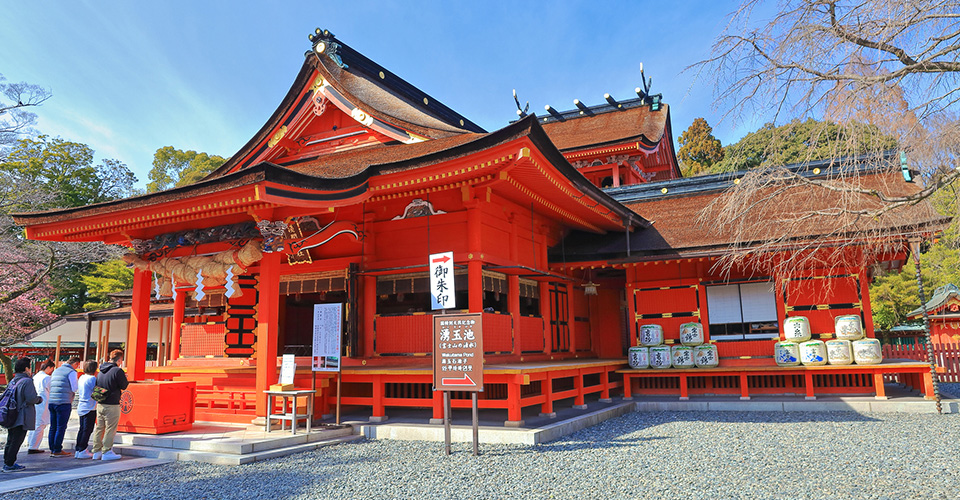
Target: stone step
[227, 458]
[241, 445]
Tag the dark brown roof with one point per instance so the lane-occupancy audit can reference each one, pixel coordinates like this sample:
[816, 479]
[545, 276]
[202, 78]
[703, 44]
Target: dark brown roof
[638, 123]
[675, 229]
[675, 218]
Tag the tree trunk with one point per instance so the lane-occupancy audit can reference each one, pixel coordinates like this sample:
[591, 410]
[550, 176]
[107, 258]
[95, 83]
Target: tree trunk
[7, 366]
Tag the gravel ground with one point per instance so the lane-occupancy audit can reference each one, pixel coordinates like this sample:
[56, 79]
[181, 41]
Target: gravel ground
[688, 455]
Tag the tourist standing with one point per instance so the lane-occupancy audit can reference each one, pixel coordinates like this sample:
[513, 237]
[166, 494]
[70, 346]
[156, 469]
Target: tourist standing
[63, 387]
[113, 380]
[86, 408]
[25, 395]
[41, 383]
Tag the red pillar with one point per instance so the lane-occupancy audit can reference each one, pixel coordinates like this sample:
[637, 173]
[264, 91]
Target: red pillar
[369, 311]
[545, 315]
[136, 355]
[475, 265]
[513, 306]
[267, 326]
[179, 305]
[572, 314]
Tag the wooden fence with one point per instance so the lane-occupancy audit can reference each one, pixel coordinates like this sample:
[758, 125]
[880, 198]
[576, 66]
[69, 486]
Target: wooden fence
[946, 355]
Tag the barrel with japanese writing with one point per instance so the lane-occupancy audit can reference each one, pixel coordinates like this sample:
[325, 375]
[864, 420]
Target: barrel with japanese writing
[839, 352]
[638, 357]
[786, 353]
[848, 327]
[682, 356]
[813, 353]
[651, 335]
[660, 357]
[867, 352]
[691, 334]
[705, 356]
[796, 329]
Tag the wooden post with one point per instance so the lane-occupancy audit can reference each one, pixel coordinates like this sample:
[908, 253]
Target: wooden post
[106, 343]
[99, 355]
[268, 312]
[56, 357]
[179, 304]
[160, 354]
[446, 421]
[86, 339]
[476, 427]
[139, 326]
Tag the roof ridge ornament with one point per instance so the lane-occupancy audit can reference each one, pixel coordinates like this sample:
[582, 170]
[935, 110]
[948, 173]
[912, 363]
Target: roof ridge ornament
[325, 44]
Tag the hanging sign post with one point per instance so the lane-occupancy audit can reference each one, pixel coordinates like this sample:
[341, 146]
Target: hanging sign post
[458, 363]
[328, 342]
[442, 292]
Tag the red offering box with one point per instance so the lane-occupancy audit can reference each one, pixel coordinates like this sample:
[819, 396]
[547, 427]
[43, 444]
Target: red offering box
[157, 407]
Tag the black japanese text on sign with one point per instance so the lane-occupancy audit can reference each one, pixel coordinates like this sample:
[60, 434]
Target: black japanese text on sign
[458, 352]
[442, 292]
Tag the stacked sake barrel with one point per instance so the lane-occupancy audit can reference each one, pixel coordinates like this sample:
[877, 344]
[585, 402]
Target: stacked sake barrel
[690, 352]
[848, 347]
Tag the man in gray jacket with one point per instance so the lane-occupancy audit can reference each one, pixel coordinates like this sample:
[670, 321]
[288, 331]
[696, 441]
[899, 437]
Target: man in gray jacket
[26, 397]
[63, 387]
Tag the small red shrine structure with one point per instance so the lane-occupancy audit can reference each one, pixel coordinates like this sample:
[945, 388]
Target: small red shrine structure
[359, 175]
[943, 310]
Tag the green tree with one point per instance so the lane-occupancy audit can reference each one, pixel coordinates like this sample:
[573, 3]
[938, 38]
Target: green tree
[801, 141]
[175, 168]
[102, 280]
[699, 149]
[65, 172]
[893, 295]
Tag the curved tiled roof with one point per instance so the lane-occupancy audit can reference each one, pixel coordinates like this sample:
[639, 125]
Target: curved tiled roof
[637, 123]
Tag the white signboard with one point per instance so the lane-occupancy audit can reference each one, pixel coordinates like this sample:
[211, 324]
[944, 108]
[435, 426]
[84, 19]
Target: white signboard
[327, 336]
[287, 369]
[442, 293]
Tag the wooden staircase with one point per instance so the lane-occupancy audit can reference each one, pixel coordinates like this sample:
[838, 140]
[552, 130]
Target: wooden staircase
[223, 398]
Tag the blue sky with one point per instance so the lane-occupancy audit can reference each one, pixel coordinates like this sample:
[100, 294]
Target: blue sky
[130, 77]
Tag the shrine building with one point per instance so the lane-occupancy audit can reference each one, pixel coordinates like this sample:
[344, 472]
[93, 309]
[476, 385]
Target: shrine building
[569, 231]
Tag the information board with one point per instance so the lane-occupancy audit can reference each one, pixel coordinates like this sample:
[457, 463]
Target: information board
[458, 352]
[327, 337]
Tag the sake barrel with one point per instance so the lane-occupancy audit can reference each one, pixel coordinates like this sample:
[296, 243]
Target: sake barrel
[638, 357]
[705, 356]
[660, 357]
[691, 334]
[796, 329]
[786, 353]
[682, 356]
[839, 352]
[651, 335]
[867, 352]
[848, 327]
[813, 353]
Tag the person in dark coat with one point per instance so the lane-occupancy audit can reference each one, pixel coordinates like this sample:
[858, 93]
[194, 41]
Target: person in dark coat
[114, 380]
[26, 397]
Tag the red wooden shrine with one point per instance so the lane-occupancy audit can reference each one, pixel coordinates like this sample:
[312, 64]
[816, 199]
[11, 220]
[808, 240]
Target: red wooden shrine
[359, 175]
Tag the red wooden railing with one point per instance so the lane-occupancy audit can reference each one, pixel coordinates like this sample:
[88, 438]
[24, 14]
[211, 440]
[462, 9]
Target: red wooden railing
[947, 357]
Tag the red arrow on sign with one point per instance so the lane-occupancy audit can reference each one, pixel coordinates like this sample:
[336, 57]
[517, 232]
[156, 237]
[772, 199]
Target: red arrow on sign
[443, 259]
[466, 380]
